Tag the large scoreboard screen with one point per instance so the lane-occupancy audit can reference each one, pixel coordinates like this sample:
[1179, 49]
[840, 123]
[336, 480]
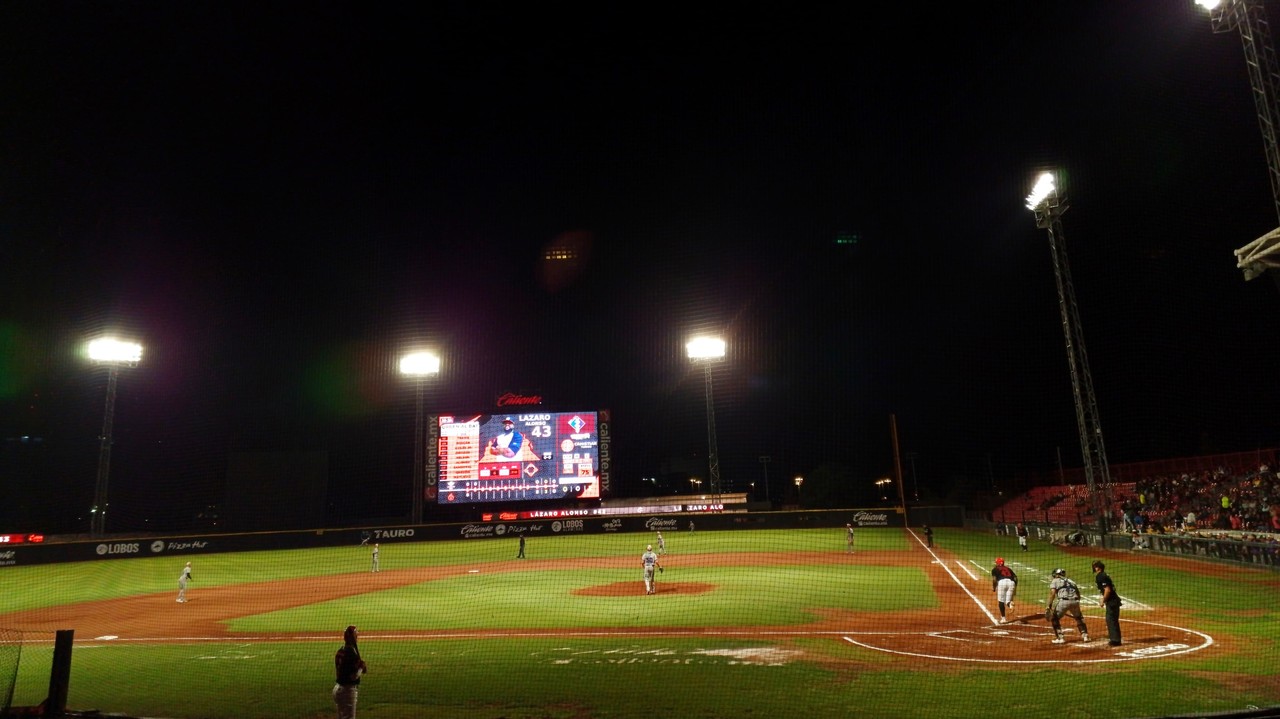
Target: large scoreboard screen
[535, 456]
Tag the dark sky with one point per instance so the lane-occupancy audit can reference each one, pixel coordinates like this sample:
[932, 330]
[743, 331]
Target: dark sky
[278, 199]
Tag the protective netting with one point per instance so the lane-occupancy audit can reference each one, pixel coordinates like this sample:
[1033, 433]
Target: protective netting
[10, 656]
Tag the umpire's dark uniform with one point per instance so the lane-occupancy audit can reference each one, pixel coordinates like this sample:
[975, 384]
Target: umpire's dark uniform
[1110, 601]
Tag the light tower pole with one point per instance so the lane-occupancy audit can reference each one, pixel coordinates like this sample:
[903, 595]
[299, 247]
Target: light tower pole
[1249, 17]
[418, 365]
[764, 462]
[1049, 207]
[114, 354]
[708, 350]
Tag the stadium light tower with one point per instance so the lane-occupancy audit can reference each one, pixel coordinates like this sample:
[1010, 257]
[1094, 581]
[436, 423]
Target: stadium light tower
[881, 484]
[1249, 17]
[709, 350]
[1048, 206]
[419, 365]
[113, 354]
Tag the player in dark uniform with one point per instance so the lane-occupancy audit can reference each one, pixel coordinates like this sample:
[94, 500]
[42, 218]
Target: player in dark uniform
[348, 665]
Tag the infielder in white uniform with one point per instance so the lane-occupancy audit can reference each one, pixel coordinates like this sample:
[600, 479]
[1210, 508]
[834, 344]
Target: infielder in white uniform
[182, 582]
[650, 562]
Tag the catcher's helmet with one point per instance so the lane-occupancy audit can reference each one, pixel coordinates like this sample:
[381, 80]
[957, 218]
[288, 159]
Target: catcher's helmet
[1059, 572]
[999, 560]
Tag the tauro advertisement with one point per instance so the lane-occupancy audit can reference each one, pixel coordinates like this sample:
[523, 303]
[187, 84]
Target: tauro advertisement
[531, 456]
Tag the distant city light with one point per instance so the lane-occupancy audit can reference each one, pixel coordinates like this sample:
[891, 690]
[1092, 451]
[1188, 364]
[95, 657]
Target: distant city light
[109, 349]
[1044, 187]
[1208, 4]
[420, 363]
[705, 348]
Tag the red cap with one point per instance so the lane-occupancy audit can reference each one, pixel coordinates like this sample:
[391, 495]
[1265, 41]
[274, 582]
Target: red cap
[999, 560]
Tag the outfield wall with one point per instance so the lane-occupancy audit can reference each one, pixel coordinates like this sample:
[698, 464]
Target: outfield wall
[124, 547]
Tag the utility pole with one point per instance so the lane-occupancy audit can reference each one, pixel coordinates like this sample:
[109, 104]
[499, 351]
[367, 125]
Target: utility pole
[764, 462]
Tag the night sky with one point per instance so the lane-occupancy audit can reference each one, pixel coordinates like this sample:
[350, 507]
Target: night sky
[279, 199]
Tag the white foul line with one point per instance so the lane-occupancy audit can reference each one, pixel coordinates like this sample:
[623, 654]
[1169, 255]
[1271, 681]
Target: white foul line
[956, 579]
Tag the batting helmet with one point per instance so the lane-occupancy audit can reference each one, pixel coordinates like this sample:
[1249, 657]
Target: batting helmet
[999, 560]
[1059, 572]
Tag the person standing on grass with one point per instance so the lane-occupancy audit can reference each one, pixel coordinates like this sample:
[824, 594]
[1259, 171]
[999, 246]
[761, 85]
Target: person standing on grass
[928, 535]
[1110, 602]
[650, 562]
[374, 567]
[848, 538]
[348, 665]
[520, 554]
[182, 582]
[1022, 536]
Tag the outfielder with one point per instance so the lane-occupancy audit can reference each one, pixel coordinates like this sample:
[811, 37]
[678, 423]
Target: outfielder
[650, 562]
[374, 567]
[662, 544]
[182, 582]
[1004, 582]
[1064, 598]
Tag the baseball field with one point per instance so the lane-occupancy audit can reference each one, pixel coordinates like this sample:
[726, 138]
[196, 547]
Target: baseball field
[765, 623]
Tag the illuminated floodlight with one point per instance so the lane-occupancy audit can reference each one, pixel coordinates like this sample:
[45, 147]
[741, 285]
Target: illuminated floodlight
[705, 348]
[111, 350]
[1208, 4]
[420, 364]
[1044, 187]
[114, 354]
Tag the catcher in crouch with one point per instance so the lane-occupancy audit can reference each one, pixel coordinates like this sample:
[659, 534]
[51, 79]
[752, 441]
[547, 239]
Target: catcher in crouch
[1064, 598]
[650, 562]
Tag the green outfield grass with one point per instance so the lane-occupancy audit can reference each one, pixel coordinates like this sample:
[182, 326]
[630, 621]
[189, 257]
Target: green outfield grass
[636, 675]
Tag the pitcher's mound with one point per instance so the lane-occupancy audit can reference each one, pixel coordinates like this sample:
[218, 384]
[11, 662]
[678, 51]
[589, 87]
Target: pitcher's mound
[626, 589]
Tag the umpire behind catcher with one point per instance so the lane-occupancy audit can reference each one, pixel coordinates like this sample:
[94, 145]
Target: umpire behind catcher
[1110, 601]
